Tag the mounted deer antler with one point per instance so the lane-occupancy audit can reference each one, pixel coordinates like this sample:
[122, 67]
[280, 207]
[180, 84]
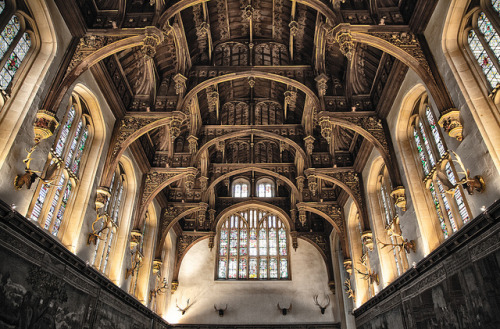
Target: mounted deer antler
[183, 310]
[407, 245]
[468, 183]
[349, 291]
[30, 176]
[220, 310]
[369, 275]
[96, 234]
[284, 311]
[322, 308]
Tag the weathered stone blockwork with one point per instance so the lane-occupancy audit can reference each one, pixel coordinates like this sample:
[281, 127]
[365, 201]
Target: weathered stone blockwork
[43, 285]
[456, 286]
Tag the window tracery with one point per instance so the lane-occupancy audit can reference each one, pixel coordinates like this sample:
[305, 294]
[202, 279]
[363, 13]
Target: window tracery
[112, 211]
[15, 43]
[484, 43]
[447, 198]
[265, 188]
[241, 188]
[253, 244]
[62, 171]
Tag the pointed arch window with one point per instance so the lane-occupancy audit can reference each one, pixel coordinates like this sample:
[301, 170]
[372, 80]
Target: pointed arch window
[253, 245]
[448, 199]
[111, 219]
[63, 168]
[484, 42]
[15, 43]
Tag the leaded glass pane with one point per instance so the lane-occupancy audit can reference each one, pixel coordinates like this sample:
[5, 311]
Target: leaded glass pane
[243, 242]
[484, 61]
[8, 34]
[233, 242]
[244, 190]
[262, 191]
[223, 242]
[435, 132]
[282, 242]
[272, 242]
[62, 208]
[233, 266]
[438, 210]
[283, 268]
[2, 5]
[222, 268]
[63, 136]
[273, 268]
[426, 144]
[496, 5]
[237, 191]
[447, 207]
[262, 242]
[253, 242]
[252, 268]
[14, 61]
[243, 268]
[54, 202]
[37, 209]
[81, 147]
[74, 142]
[108, 250]
[268, 191]
[464, 214]
[421, 152]
[263, 268]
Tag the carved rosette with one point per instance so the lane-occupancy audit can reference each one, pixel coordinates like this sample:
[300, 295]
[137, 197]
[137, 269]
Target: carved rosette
[251, 82]
[450, 122]
[180, 84]
[399, 196]
[45, 125]
[348, 265]
[309, 142]
[157, 265]
[312, 183]
[321, 84]
[102, 197]
[367, 238]
[248, 12]
[344, 39]
[193, 144]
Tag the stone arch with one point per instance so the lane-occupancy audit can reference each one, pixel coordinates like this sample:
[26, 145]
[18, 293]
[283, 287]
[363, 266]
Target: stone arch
[430, 237]
[72, 229]
[14, 110]
[484, 110]
[210, 189]
[256, 132]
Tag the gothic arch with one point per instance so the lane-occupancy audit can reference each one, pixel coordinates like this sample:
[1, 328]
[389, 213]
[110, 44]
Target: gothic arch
[210, 189]
[484, 110]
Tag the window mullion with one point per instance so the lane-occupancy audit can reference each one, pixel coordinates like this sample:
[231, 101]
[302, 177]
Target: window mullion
[11, 48]
[488, 50]
[442, 206]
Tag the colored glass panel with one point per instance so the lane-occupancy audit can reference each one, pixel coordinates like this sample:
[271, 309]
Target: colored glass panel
[262, 191]
[282, 242]
[63, 136]
[283, 268]
[108, 251]
[421, 153]
[253, 242]
[237, 191]
[37, 209]
[273, 268]
[243, 243]
[244, 190]
[223, 242]
[447, 207]
[268, 191]
[483, 59]
[263, 268]
[252, 268]
[81, 147]
[426, 144]
[54, 202]
[233, 242]
[262, 242]
[438, 210]
[62, 208]
[8, 34]
[243, 268]
[232, 268]
[222, 268]
[464, 214]
[14, 61]
[2, 6]
[74, 142]
[496, 5]
[272, 242]
[435, 132]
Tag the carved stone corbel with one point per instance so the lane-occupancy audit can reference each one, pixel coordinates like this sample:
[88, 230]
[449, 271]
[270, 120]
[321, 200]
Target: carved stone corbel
[344, 39]
[367, 238]
[321, 84]
[157, 263]
[295, 243]
[203, 183]
[193, 144]
[300, 183]
[450, 122]
[302, 216]
[312, 183]
[399, 196]
[180, 84]
[44, 126]
[151, 41]
[211, 215]
[174, 285]
[102, 197]
[326, 129]
[309, 143]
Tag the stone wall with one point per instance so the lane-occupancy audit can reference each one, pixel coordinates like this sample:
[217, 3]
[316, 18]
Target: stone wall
[43, 285]
[456, 286]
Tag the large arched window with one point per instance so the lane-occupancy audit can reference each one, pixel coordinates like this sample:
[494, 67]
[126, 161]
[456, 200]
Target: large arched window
[241, 188]
[448, 198]
[253, 245]
[111, 218]
[15, 42]
[391, 220]
[484, 41]
[63, 169]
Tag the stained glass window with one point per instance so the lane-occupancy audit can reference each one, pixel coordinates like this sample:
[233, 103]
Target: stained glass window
[496, 5]
[435, 132]
[265, 190]
[240, 189]
[52, 200]
[2, 5]
[8, 34]
[253, 244]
